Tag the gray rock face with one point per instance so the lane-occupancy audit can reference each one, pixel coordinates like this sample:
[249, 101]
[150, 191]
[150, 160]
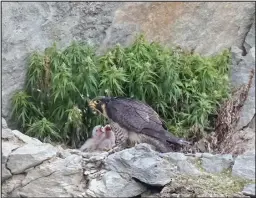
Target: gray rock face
[206, 28]
[7, 133]
[62, 153]
[241, 141]
[241, 68]
[25, 138]
[46, 171]
[114, 184]
[149, 194]
[186, 167]
[194, 25]
[183, 164]
[28, 156]
[4, 124]
[174, 157]
[242, 65]
[31, 168]
[59, 178]
[244, 166]
[11, 184]
[6, 174]
[250, 38]
[249, 190]
[217, 163]
[7, 148]
[240, 75]
[18, 137]
[236, 53]
[55, 21]
[143, 164]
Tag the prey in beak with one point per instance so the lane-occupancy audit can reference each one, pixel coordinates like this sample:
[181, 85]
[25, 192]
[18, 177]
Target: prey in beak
[98, 105]
[93, 105]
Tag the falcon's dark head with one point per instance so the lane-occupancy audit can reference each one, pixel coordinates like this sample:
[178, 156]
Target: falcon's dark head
[99, 104]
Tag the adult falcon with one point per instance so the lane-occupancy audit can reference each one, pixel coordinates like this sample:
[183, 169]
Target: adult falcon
[134, 122]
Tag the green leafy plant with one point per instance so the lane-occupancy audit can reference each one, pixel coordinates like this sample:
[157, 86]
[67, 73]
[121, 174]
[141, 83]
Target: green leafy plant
[185, 89]
[44, 130]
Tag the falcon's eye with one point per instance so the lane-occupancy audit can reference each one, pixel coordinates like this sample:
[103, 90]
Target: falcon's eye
[97, 101]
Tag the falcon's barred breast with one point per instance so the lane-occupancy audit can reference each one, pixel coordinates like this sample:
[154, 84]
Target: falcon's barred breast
[135, 122]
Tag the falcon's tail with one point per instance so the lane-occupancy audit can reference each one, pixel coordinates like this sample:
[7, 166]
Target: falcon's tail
[165, 137]
[170, 138]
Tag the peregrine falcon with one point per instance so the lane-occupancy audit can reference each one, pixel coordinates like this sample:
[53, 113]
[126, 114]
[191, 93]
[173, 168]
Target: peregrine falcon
[134, 122]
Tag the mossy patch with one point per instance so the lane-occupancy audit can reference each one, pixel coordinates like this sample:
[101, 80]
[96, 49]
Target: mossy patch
[206, 185]
[198, 164]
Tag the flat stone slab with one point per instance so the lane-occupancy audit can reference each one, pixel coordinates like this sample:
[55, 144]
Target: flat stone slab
[249, 190]
[216, 163]
[28, 156]
[142, 163]
[244, 166]
[114, 184]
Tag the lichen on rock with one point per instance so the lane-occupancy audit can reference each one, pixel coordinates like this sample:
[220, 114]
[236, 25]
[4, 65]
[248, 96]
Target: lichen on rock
[206, 185]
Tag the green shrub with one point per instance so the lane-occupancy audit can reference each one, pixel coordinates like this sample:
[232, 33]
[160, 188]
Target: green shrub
[185, 89]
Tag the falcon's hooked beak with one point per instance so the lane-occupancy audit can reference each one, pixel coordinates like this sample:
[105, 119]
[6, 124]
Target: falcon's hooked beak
[98, 105]
[93, 105]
